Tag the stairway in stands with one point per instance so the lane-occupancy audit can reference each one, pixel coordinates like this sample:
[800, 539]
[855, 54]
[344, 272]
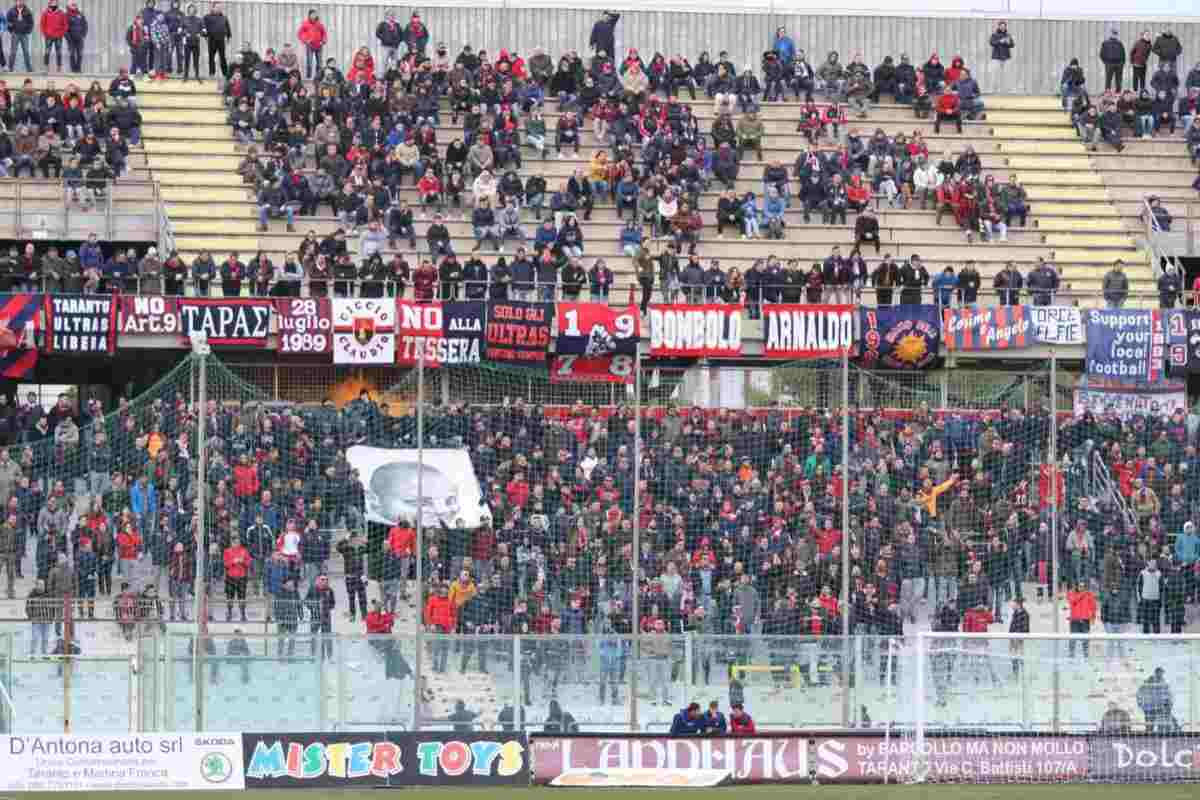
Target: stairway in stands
[1073, 206]
[190, 151]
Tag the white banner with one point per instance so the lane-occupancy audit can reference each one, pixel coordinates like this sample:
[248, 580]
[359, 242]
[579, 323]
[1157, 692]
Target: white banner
[136, 762]
[1056, 324]
[364, 330]
[449, 488]
[1128, 403]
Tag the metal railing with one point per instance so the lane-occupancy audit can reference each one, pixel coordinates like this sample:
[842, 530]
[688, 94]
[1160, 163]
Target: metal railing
[622, 293]
[79, 207]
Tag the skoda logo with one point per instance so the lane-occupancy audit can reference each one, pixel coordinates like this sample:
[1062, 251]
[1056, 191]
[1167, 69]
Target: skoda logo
[215, 767]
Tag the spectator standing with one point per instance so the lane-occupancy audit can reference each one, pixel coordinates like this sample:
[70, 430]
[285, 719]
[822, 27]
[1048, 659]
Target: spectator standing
[1150, 592]
[1168, 49]
[20, 26]
[1112, 56]
[54, 26]
[603, 39]
[1002, 47]
[417, 35]
[218, 33]
[1116, 285]
[1139, 58]
[313, 36]
[1082, 610]
[390, 35]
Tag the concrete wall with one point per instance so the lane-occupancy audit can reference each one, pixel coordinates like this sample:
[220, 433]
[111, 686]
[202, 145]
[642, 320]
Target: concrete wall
[1043, 44]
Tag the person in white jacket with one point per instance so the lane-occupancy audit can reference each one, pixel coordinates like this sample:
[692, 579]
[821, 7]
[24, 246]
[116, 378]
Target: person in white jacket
[926, 180]
[485, 187]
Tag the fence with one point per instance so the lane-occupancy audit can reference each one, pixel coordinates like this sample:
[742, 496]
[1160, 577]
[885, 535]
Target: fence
[346, 683]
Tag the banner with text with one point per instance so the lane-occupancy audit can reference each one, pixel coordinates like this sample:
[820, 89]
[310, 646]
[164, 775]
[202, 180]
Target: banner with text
[446, 333]
[1126, 345]
[364, 330]
[1056, 324]
[1125, 399]
[986, 328]
[228, 322]
[343, 760]
[701, 331]
[20, 322]
[518, 334]
[121, 763]
[809, 331]
[1182, 329]
[149, 316]
[305, 326]
[80, 325]
[595, 343]
[900, 337]
[828, 758]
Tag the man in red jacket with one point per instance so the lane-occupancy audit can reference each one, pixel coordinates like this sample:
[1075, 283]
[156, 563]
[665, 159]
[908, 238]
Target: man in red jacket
[740, 723]
[379, 625]
[53, 25]
[948, 107]
[439, 619]
[313, 36]
[977, 620]
[237, 569]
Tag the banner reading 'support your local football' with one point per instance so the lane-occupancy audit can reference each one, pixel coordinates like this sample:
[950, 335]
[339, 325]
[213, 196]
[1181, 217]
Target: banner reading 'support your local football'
[133, 762]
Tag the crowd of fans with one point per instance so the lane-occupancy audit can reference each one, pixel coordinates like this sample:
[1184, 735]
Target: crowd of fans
[351, 140]
[740, 515]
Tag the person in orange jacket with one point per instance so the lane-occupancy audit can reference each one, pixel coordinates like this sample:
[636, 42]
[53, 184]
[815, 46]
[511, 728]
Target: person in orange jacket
[948, 107]
[440, 618]
[313, 36]
[1082, 613]
[237, 570]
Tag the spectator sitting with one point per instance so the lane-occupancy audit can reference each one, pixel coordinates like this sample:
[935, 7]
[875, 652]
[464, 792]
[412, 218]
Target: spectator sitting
[1158, 213]
[969, 95]
[1071, 82]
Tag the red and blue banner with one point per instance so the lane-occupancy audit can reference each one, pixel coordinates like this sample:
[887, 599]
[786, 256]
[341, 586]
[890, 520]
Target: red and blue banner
[20, 320]
[900, 337]
[987, 328]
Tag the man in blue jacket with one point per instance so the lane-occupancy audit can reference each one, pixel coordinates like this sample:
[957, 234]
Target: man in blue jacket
[714, 720]
[688, 722]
